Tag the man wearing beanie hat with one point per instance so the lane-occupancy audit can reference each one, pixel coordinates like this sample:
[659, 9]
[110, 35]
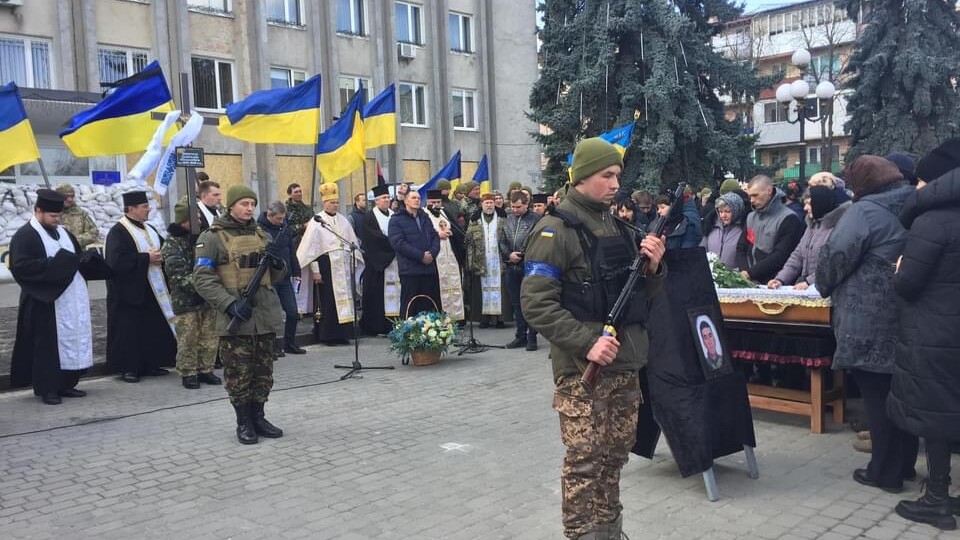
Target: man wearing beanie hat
[194, 320]
[140, 334]
[939, 161]
[53, 342]
[228, 254]
[326, 263]
[567, 248]
[76, 219]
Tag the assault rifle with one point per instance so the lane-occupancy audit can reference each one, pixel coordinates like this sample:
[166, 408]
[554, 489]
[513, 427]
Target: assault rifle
[660, 226]
[246, 295]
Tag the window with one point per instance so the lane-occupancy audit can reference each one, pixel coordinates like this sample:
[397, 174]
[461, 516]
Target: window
[216, 6]
[348, 85]
[774, 112]
[212, 83]
[778, 23]
[413, 104]
[463, 105]
[285, 78]
[25, 62]
[116, 64]
[815, 152]
[62, 166]
[461, 32]
[824, 66]
[350, 17]
[409, 28]
[285, 11]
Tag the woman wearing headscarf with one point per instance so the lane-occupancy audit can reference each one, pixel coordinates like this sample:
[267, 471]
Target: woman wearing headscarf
[855, 270]
[727, 230]
[925, 394]
[823, 213]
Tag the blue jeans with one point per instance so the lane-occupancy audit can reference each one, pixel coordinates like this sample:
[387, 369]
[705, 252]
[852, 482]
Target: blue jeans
[514, 277]
[288, 301]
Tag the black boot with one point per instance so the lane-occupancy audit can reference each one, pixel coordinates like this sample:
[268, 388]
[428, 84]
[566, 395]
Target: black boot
[516, 343]
[246, 432]
[532, 342]
[933, 507]
[209, 378]
[263, 427]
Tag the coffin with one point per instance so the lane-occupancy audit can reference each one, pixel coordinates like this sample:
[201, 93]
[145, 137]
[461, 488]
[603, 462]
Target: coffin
[783, 305]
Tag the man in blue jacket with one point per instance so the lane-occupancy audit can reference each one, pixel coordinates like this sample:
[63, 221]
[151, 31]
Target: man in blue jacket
[274, 222]
[417, 244]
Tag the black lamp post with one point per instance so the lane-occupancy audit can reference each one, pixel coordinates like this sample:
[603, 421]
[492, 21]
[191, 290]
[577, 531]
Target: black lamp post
[795, 96]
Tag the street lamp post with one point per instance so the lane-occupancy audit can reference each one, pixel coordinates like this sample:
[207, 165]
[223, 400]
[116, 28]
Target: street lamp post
[794, 95]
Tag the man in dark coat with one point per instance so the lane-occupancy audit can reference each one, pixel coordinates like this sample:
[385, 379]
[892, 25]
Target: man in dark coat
[417, 245]
[53, 342]
[140, 335]
[773, 231]
[380, 260]
[924, 396]
[274, 221]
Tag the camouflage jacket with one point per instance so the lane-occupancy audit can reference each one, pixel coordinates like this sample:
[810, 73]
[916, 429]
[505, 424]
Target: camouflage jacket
[476, 248]
[178, 261]
[78, 221]
[298, 214]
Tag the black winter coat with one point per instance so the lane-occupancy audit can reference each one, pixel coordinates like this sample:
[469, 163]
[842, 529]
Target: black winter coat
[282, 235]
[411, 237]
[925, 396]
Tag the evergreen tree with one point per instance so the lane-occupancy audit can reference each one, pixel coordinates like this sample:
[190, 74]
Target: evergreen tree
[607, 63]
[904, 73]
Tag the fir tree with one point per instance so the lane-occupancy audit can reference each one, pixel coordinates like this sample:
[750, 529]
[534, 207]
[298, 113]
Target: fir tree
[607, 63]
[904, 73]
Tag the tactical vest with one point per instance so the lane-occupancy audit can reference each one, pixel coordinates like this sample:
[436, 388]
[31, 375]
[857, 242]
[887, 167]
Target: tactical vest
[609, 258]
[243, 256]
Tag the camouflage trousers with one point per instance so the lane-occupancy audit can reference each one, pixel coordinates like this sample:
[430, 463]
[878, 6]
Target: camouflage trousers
[598, 429]
[248, 367]
[196, 341]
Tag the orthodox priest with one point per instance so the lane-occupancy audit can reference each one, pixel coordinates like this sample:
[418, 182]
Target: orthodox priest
[381, 277]
[483, 262]
[325, 252]
[140, 335]
[451, 291]
[54, 341]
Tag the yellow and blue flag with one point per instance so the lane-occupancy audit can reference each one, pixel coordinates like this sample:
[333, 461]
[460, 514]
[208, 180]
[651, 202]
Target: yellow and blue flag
[482, 176]
[277, 116]
[340, 148]
[17, 143]
[619, 137]
[450, 172]
[380, 119]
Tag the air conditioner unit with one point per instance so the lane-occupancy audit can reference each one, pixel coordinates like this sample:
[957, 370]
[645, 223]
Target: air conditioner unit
[407, 51]
[11, 3]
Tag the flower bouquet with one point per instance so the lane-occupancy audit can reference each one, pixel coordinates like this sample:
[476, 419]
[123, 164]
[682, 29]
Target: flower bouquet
[724, 277]
[423, 337]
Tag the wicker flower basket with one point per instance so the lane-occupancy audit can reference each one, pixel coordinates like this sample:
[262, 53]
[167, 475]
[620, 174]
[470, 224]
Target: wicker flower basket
[425, 358]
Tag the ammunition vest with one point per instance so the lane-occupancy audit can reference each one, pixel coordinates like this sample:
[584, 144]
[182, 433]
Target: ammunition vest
[609, 258]
[243, 255]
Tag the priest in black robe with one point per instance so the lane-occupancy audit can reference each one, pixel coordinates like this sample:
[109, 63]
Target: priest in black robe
[378, 257]
[54, 341]
[140, 335]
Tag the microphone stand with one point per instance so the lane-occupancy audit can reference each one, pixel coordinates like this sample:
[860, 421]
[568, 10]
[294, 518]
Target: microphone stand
[472, 345]
[356, 366]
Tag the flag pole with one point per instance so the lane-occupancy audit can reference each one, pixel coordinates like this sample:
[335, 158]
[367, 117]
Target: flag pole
[316, 169]
[365, 173]
[43, 171]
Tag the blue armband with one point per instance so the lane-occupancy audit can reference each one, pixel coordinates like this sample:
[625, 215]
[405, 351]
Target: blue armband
[203, 261]
[541, 269]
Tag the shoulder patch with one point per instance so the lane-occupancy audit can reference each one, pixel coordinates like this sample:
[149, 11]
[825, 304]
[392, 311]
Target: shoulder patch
[199, 244]
[547, 233]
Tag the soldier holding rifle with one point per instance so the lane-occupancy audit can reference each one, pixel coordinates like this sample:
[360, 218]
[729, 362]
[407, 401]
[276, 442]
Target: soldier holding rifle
[576, 264]
[228, 257]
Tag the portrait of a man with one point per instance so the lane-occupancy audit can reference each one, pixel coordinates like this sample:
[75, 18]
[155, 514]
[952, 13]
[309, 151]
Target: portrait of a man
[712, 353]
[708, 341]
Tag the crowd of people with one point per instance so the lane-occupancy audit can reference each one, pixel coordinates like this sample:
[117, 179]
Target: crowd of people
[882, 243]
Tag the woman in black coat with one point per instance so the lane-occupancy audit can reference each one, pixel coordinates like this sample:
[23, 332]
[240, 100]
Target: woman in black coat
[925, 393]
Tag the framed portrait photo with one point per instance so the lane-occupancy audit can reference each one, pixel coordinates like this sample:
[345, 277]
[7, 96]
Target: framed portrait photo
[709, 341]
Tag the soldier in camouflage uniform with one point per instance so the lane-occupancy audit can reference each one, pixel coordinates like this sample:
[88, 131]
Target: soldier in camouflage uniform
[298, 213]
[575, 266]
[227, 257]
[195, 320]
[76, 219]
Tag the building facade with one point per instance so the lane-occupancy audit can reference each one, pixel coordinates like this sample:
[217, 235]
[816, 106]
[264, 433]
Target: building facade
[463, 70]
[767, 39]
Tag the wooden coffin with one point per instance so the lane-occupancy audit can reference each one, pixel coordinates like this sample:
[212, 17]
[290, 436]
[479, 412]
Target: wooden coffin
[781, 305]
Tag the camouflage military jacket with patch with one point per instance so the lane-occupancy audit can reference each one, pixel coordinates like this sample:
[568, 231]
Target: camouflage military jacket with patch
[178, 261]
[78, 221]
[298, 214]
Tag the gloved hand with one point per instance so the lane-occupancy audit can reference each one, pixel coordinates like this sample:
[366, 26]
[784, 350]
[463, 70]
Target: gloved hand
[240, 310]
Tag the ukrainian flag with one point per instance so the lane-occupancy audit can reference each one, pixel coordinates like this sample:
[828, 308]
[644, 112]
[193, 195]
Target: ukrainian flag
[482, 176]
[121, 122]
[278, 116]
[340, 148]
[380, 119]
[450, 172]
[619, 137]
[17, 144]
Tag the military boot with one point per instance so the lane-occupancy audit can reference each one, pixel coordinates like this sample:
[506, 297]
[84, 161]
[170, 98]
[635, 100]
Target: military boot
[955, 505]
[246, 432]
[933, 507]
[263, 427]
[531, 342]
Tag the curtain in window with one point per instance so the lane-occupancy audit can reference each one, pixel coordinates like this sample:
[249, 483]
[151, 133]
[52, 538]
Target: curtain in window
[204, 83]
[41, 64]
[113, 65]
[13, 62]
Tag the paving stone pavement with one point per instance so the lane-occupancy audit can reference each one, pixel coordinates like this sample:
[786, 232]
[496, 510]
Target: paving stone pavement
[465, 449]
